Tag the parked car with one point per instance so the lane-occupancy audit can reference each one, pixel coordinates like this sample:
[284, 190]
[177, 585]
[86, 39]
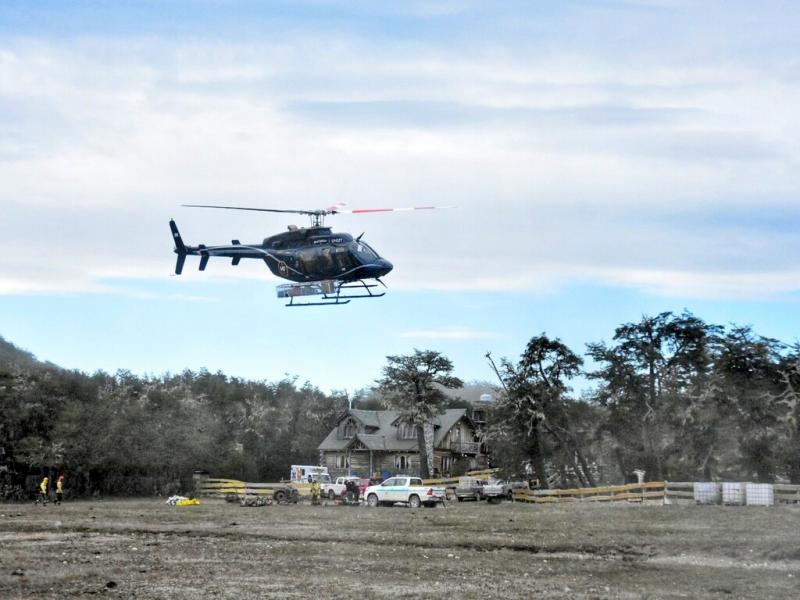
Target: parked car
[496, 490]
[408, 490]
[469, 488]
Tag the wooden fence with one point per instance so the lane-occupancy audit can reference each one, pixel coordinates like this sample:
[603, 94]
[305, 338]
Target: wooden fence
[452, 482]
[787, 493]
[223, 487]
[661, 491]
[651, 490]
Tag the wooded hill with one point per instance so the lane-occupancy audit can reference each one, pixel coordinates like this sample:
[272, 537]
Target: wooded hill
[675, 396]
[131, 434]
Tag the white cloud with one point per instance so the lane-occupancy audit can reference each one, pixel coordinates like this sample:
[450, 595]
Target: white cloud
[563, 163]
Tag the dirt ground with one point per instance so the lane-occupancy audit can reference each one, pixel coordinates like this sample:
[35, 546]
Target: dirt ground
[145, 549]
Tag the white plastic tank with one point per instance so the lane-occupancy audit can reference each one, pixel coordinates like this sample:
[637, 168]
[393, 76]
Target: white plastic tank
[733, 492]
[706, 492]
[760, 494]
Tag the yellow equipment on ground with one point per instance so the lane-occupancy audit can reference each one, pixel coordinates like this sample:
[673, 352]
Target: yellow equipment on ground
[188, 502]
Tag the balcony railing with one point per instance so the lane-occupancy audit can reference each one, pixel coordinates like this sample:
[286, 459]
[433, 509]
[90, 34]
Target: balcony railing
[466, 447]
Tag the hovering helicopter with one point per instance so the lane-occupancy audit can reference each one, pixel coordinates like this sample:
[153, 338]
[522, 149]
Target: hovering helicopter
[317, 261]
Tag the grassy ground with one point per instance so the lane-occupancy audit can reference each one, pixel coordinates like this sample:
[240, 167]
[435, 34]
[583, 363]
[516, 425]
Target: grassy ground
[146, 549]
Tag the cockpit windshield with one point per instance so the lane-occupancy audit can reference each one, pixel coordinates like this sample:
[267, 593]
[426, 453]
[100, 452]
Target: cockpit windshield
[364, 252]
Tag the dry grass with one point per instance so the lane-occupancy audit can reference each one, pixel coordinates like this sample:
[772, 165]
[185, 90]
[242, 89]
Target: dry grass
[145, 549]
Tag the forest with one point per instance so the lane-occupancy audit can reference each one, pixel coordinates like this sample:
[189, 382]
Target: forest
[672, 395]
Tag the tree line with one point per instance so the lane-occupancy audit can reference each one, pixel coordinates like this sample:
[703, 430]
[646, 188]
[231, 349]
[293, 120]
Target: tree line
[128, 434]
[671, 395]
[674, 396]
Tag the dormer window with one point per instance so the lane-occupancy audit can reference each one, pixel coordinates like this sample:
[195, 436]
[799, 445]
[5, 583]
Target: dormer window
[349, 430]
[408, 431]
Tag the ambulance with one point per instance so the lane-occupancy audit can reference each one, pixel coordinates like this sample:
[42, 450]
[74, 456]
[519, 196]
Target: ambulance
[309, 473]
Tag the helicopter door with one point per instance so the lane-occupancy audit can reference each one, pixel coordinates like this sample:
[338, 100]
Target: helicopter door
[343, 260]
[318, 262]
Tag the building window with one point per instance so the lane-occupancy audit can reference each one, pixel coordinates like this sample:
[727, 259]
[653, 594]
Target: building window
[447, 463]
[349, 430]
[401, 462]
[341, 461]
[408, 431]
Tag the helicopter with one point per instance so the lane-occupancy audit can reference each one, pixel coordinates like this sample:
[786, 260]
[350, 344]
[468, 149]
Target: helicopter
[317, 262]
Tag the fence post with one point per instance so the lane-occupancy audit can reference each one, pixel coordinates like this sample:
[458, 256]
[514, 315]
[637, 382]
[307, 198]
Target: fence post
[199, 479]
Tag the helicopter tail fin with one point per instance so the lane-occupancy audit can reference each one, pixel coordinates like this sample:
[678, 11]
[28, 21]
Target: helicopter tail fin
[179, 264]
[180, 247]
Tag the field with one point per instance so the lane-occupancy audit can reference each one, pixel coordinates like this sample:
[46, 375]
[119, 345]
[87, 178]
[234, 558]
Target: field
[145, 549]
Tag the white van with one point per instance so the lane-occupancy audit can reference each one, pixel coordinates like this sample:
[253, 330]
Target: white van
[309, 473]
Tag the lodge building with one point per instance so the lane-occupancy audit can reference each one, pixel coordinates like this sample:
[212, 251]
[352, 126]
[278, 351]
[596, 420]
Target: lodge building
[380, 443]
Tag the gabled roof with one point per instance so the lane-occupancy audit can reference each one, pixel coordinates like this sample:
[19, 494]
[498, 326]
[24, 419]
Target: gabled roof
[385, 438]
[367, 417]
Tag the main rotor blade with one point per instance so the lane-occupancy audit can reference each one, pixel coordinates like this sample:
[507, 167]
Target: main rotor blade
[275, 210]
[358, 211]
[331, 210]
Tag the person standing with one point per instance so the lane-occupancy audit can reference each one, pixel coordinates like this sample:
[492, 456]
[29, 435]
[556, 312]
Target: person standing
[43, 492]
[59, 489]
[315, 490]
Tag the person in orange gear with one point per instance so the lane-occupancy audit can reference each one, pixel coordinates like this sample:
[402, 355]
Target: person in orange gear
[59, 489]
[43, 492]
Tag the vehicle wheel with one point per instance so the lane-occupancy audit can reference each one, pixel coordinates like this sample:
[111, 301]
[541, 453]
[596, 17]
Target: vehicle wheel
[490, 500]
[413, 501]
[372, 500]
[279, 496]
[331, 495]
[459, 498]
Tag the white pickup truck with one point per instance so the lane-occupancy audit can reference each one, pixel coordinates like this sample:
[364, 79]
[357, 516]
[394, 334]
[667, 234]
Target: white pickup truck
[408, 490]
[332, 490]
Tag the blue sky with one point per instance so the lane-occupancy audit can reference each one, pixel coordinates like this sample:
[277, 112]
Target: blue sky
[609, 160]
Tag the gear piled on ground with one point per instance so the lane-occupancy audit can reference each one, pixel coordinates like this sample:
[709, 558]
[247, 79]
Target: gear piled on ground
[182, 501]
[255, 501]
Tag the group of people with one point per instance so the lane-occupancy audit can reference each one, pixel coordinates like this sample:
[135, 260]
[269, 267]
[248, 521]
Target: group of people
[351, 492]
[44, 490]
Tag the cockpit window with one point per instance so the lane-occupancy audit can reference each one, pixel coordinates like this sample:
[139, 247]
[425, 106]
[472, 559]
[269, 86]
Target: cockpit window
[364, 251]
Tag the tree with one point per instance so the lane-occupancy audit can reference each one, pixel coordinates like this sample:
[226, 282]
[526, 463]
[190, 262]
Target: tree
[536, 404]
[646, 378]
[413, 384]
[790, 394]
[754, 387]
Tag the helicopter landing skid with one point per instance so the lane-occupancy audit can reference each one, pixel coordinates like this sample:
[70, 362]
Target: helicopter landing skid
[330, 292]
